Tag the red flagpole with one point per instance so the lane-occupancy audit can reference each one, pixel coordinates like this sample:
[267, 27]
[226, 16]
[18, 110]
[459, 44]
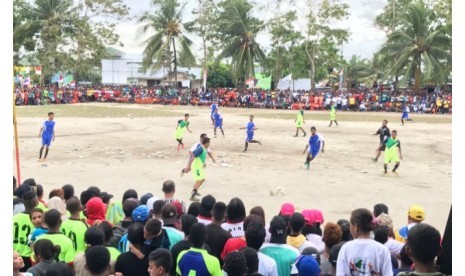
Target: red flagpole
[18, 167]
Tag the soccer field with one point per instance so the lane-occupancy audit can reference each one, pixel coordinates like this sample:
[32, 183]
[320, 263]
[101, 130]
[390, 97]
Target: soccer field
[117, 147]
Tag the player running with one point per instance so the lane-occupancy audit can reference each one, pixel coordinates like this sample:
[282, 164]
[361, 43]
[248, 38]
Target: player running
[299, 122]
[191, 154]
[213, 107]
[332, 115]
[384, 135]
[47, 132]
[315, 143]
[218, 121]
[180, 129]
[390, 154]
[197, 165]
[405, 113]
[250, 128]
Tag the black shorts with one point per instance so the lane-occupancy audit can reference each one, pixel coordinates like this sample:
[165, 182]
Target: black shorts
[382, 148]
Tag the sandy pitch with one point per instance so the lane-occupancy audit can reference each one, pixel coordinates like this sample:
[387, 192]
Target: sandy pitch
[121, 153]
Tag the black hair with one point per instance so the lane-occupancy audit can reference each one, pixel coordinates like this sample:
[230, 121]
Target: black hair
[186, 223]
[73, 205]
[312, 251]
[252, 218]
[381, 234]
[255, 235]
[205, 140]
[30, 182]
[86, 196]
[203, 135]
[30, 200]
[313, 128]
[52, 218]
[36, 210]
[235, 264]
[236, 210]
[206, 206]
[334, 253]
[45, 249]
[97, 259]
[153, 226]
[51, 113]
[251, 257]
[14, 184]
[345, 227]
[129, 206]
[136, 233]
[404, 258]
[94, 236]
[107, 230]
[394, 131]
[219, 211]
[158, 206]
[39, 190]
[59, 269]
[168, 186]
[68, 191]
[194, 208]
[424, 242]
[95, 190]
[197, 235]
[380, 208]
[161, 257]
[297, 222]
[187, 114]
[131, 193]
[258, 210]
[363, 218]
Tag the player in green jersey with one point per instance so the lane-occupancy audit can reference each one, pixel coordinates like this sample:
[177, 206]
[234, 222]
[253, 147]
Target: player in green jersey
[197, 165]
[180, 129]
[390, 153]
[332, 115]
[299, 122]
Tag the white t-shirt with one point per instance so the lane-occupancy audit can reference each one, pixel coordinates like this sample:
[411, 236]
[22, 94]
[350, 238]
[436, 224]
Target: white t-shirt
[361, 257]
[317, 240]
[204, 221]
[394, 246]
[236, 229]
[266, 265]
[194, 147]
[344, 101]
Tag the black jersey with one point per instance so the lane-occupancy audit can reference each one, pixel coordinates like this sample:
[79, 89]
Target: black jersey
[384, 134]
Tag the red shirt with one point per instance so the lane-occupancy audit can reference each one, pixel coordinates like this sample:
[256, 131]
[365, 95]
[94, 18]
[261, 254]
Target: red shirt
[232, 245]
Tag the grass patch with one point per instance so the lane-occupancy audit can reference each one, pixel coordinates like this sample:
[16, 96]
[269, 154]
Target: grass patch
[94, 111]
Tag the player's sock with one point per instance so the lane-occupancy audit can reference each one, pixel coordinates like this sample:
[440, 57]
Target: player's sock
[193, 193]
[246, 146]
[182, 172]
[41, 151]
[395, 167]
[222, 132]
[46, 153]
[330, 123]
[305, 133]
[336, 123]
[402, 121]
[385, 168]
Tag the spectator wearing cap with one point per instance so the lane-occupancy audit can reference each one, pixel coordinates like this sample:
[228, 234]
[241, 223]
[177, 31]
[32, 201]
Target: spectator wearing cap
[332, 235]
[286, 211]
[196, 260]
[255, 237]
[416, 214]
[423, 246]
[295, 238]
[312, 229]
[169, 189]
[394, 246]
[205, 209]
[235, 218]
[128, 263]
[95, 211]
[171, 224]
[217, 236]
[284, 254]
[141, 215]
[307, 266]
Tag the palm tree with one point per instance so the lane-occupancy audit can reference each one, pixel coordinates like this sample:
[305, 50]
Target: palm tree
[169, 40]
[417, 46]
[238, 30]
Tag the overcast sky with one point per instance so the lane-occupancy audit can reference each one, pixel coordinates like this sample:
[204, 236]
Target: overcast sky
[365, 38]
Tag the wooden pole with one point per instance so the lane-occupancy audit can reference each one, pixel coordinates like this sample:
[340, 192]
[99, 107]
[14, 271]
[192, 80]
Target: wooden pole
[18, 168]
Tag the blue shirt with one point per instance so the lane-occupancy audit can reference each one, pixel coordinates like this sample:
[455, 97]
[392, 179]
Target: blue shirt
[213, 107]
[217, 117]
[250, 127]
[315, 142]
[48, 127]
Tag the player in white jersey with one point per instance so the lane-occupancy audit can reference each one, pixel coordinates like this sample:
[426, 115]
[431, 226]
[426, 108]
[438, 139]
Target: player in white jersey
[191, 154]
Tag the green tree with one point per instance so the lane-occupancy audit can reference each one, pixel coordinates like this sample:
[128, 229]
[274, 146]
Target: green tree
[418, 48]
[320, 19]
[238, 29]
[169, 39]
[219, 75]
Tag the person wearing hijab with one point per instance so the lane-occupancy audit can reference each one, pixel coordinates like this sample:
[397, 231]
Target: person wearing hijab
[58, 204]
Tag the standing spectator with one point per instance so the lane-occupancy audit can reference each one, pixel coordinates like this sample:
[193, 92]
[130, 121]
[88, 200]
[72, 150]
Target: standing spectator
[75, 228]
[345, 227]
[95, 211]
[363, 255]
[44, 251]
[235, 218]
[129, 264]
[122, 227]
[295, 238]
[235, 264]
[68, 191]
[405, 262]
[205, 209]
[255, 237]
[332, 235]
[392, 244]
[172, 224]
[251, 258]
[185, 244]
[217, 236]
[160, 262]
[416, 214]
[235, 244]
[169, 188]
[98, 261]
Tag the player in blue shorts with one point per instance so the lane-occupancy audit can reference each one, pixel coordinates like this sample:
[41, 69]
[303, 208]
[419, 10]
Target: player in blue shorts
[315, 143]
[213, 107]
[218, 121]
[47, 132]
[250, 128]
[405, 113]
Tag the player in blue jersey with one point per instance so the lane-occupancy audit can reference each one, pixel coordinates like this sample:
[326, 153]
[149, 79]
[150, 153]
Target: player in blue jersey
[405, 113]
[315, 143]
[47, 132]
[250, 128]
[213, 107]
[218, 121]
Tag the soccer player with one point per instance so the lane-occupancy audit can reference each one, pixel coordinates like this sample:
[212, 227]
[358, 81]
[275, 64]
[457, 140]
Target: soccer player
[315, 143]
[299, 121]
[47, 132]
[218, 120]
[250, 128]
[180, 129]
[390, 154]
[332, 114]
[405, 113]
[384, 135]
[197, 164]
[191, 154]
[213, 107]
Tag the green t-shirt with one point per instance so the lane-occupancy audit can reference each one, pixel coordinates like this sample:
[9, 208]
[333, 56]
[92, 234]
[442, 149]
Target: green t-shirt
[65, 243]
[75, 230]
[392, 144]
[333, 110]
[22, 228]
[183, 123]
[114, 253]
[42, 207]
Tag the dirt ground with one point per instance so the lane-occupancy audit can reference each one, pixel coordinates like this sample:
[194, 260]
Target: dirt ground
[117, 147]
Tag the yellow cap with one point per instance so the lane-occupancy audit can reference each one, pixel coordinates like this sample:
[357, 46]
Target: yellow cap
[416, 212]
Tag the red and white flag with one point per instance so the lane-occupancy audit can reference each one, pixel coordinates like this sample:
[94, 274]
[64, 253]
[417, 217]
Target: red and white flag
[38, 70]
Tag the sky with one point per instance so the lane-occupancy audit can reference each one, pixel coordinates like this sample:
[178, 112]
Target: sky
[365, 39]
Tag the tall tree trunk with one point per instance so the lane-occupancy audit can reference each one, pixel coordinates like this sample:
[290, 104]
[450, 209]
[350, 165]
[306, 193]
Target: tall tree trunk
[311, 58]
[175, 65]
[417, 76]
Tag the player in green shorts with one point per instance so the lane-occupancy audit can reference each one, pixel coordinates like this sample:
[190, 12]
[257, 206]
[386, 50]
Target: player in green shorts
[332, 115]
[390, 153]
[180, 129]
[299, 122]
[197, 165]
